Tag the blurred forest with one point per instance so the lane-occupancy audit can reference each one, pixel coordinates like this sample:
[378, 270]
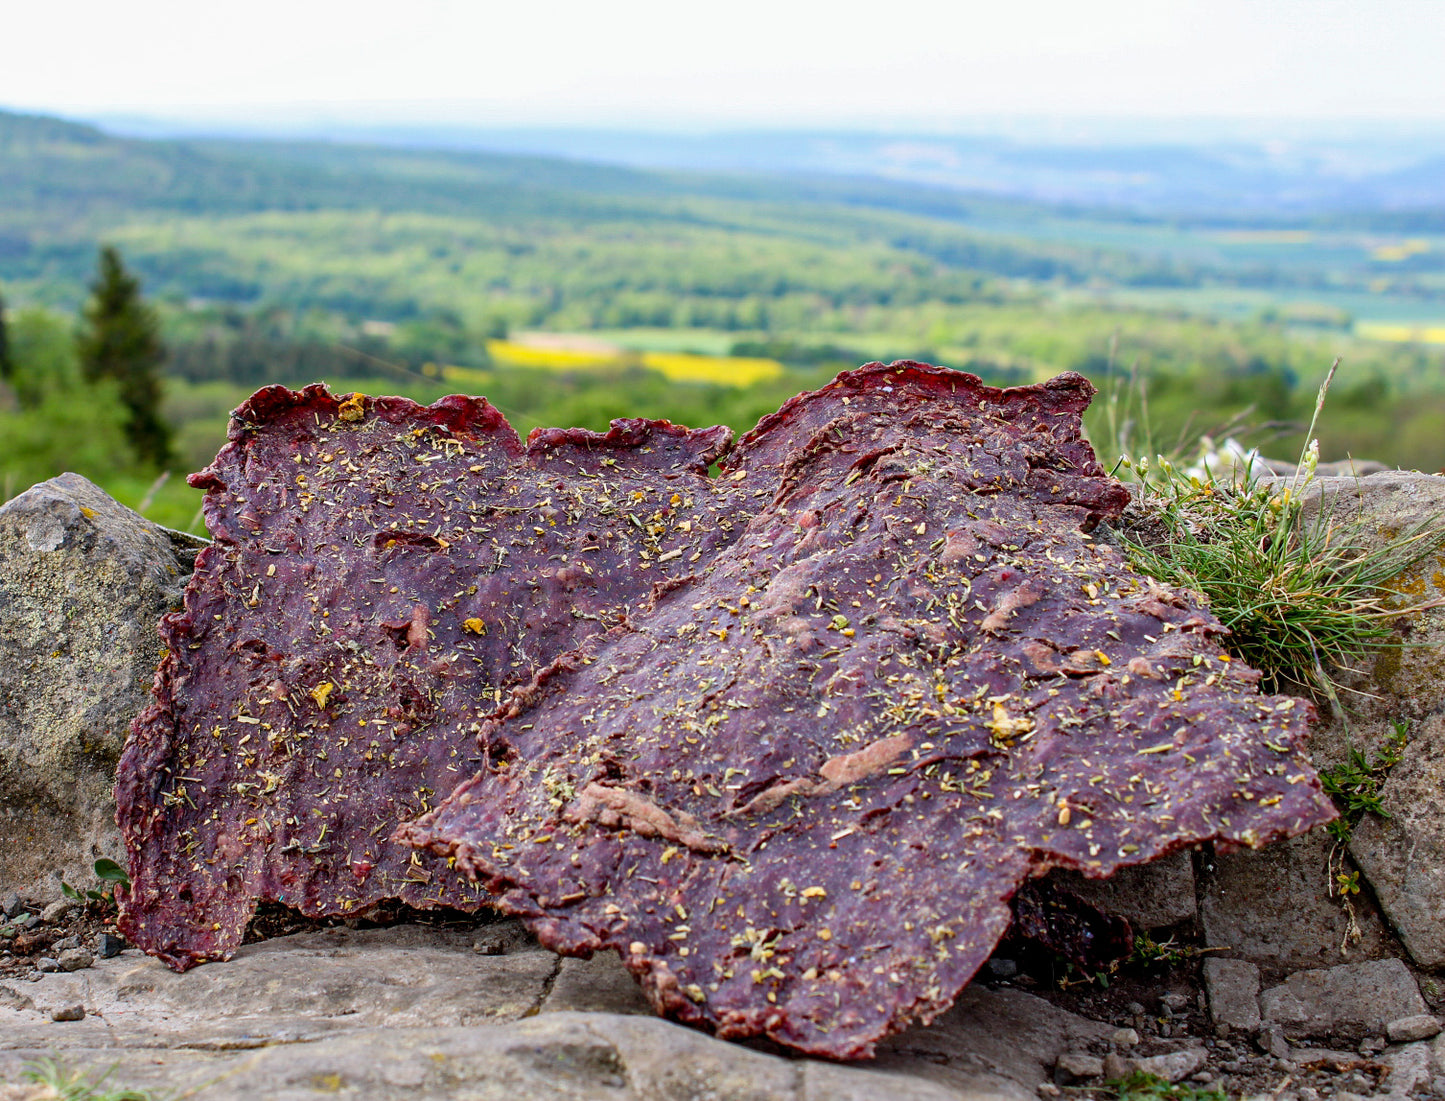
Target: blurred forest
[572, 293]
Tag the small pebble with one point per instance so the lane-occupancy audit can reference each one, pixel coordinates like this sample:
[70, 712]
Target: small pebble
[57, 910]
[1134, 1009]
[1174, 1002]
[489, 946]
[11, 905]
[1116, 1066]
[1074, 1065]
[108, 945]
[1048, 1089]
[1124, 1037]
[75, 959]
[1405, 1030]
[46, 964]
[1203, 1077]
[1003, 968]
[72, 941]
[68, 1013]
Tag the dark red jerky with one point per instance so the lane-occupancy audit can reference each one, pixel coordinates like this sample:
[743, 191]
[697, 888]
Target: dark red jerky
[798, 794]
[382, 573]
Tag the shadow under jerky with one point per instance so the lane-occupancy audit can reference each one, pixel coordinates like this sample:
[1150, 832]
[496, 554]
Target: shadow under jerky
[797, 792]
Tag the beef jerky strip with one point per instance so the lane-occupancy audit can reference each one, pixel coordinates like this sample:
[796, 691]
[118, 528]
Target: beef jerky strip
[798, 794]
[382, 574]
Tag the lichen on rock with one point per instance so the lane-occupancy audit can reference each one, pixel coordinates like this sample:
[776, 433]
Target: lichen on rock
[83, 580]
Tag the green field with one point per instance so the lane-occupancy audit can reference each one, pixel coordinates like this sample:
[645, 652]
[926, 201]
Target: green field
[418, 272]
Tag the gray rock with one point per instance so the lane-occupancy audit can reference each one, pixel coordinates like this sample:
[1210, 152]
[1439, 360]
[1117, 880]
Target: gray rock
[1410, 1067]
[11, 904]
[1124, 1037]
[47, 964]
[1313, 1058]
[1233, 988]
[413, 1012]
[1422, 1026]
[556, 1057]
[1149, 895]
[74, 1012]
[1000, 968]
[1174, 1002]
[58, 910]
[1117, 1066]
[1349, 1002]
[308, 985]
[83, 582]
[1073, 1066]
[1403, 856]
[1371, 512]
[990, 1040]
[75, 959]
[1272, 907]
[72, 941]
[1271, 1041]
[108, 945]
[1174, 1066]
[1400, 856]
[422, 999]
[598, 985]
[1437, 1051]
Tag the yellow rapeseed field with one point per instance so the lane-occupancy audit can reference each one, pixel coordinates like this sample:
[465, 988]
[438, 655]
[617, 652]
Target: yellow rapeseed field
[1401, 334]
[680, 366]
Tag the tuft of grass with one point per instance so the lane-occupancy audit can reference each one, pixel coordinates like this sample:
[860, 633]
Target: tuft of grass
[1139, 1086]
[61, 1084]
[1299, 596]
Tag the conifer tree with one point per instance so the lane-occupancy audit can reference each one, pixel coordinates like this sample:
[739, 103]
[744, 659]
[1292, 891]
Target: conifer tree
[7, 367]
[120, 340]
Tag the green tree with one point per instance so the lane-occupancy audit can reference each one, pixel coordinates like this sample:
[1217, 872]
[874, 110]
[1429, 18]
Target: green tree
[56, 420]
[7, 366]
[120, 340]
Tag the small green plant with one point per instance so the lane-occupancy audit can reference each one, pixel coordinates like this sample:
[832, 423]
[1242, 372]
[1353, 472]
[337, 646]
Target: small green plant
[1355, 784]
[1297, 594]
[1150, 953]
[1076, 976]
[1139, 1086]
[109, 873]
[67, 1085]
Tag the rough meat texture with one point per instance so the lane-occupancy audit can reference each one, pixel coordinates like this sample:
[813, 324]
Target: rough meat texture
[382, 573]
[798, 793]
[788, 739]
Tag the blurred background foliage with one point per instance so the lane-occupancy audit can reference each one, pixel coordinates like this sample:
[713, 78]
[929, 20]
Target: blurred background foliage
[571, 294]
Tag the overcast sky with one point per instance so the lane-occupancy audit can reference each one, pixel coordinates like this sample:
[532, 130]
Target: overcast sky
[740, 62]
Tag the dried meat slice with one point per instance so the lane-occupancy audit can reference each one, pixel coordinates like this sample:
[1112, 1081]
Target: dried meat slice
[798, 793]
[382, 573]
